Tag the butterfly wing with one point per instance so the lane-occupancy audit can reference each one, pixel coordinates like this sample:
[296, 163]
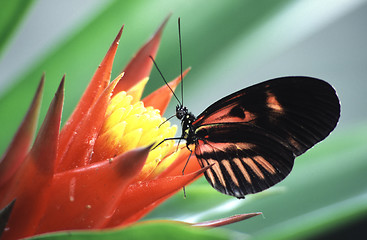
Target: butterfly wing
[252, 136]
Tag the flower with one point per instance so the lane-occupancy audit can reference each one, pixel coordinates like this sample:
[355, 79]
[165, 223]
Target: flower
[99, 171]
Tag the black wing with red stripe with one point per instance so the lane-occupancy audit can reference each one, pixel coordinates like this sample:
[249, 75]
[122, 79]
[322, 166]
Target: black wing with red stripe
[252, 136]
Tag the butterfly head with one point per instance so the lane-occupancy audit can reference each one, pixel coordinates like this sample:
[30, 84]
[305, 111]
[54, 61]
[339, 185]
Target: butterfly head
[181, 112]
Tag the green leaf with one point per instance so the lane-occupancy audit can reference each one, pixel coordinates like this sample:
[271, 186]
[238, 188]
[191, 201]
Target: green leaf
[11, 14]
[156, 230]
[320, 221]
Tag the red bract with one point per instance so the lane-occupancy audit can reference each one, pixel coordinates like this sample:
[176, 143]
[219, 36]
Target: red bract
[99, 171]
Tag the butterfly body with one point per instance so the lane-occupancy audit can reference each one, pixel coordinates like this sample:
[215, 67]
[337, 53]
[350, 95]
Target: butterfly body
[251, 137]
[188, 130]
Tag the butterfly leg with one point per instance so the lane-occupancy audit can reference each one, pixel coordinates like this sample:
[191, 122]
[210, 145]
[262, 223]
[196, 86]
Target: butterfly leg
[187, 161]
[183, 170]
[166, 139]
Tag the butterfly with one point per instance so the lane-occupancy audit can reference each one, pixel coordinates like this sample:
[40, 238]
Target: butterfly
[250, 138]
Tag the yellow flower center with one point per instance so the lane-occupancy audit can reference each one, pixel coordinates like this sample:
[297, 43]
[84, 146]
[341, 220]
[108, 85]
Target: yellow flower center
[129, 125]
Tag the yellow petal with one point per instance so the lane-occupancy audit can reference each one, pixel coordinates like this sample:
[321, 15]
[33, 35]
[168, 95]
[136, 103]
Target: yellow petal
[137, 90]
[129, 125]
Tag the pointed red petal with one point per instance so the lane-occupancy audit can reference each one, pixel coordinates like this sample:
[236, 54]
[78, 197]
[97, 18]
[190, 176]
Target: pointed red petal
[5, 215]
[22, 140]
[225, 221]
[33, 179]
[80, 147]
[48, 136]
[140, 66]
[140, 214]
[160, 98]
[141, 195]
[86, 197]
[152, 206]
[95, 88]
[214, 223]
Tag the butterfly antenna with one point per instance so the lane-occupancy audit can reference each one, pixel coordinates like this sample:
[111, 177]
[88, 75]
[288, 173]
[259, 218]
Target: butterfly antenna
[179, 39]
[156, 66]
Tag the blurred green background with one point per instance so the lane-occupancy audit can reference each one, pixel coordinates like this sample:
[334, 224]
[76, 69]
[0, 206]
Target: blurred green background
[229, 45]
